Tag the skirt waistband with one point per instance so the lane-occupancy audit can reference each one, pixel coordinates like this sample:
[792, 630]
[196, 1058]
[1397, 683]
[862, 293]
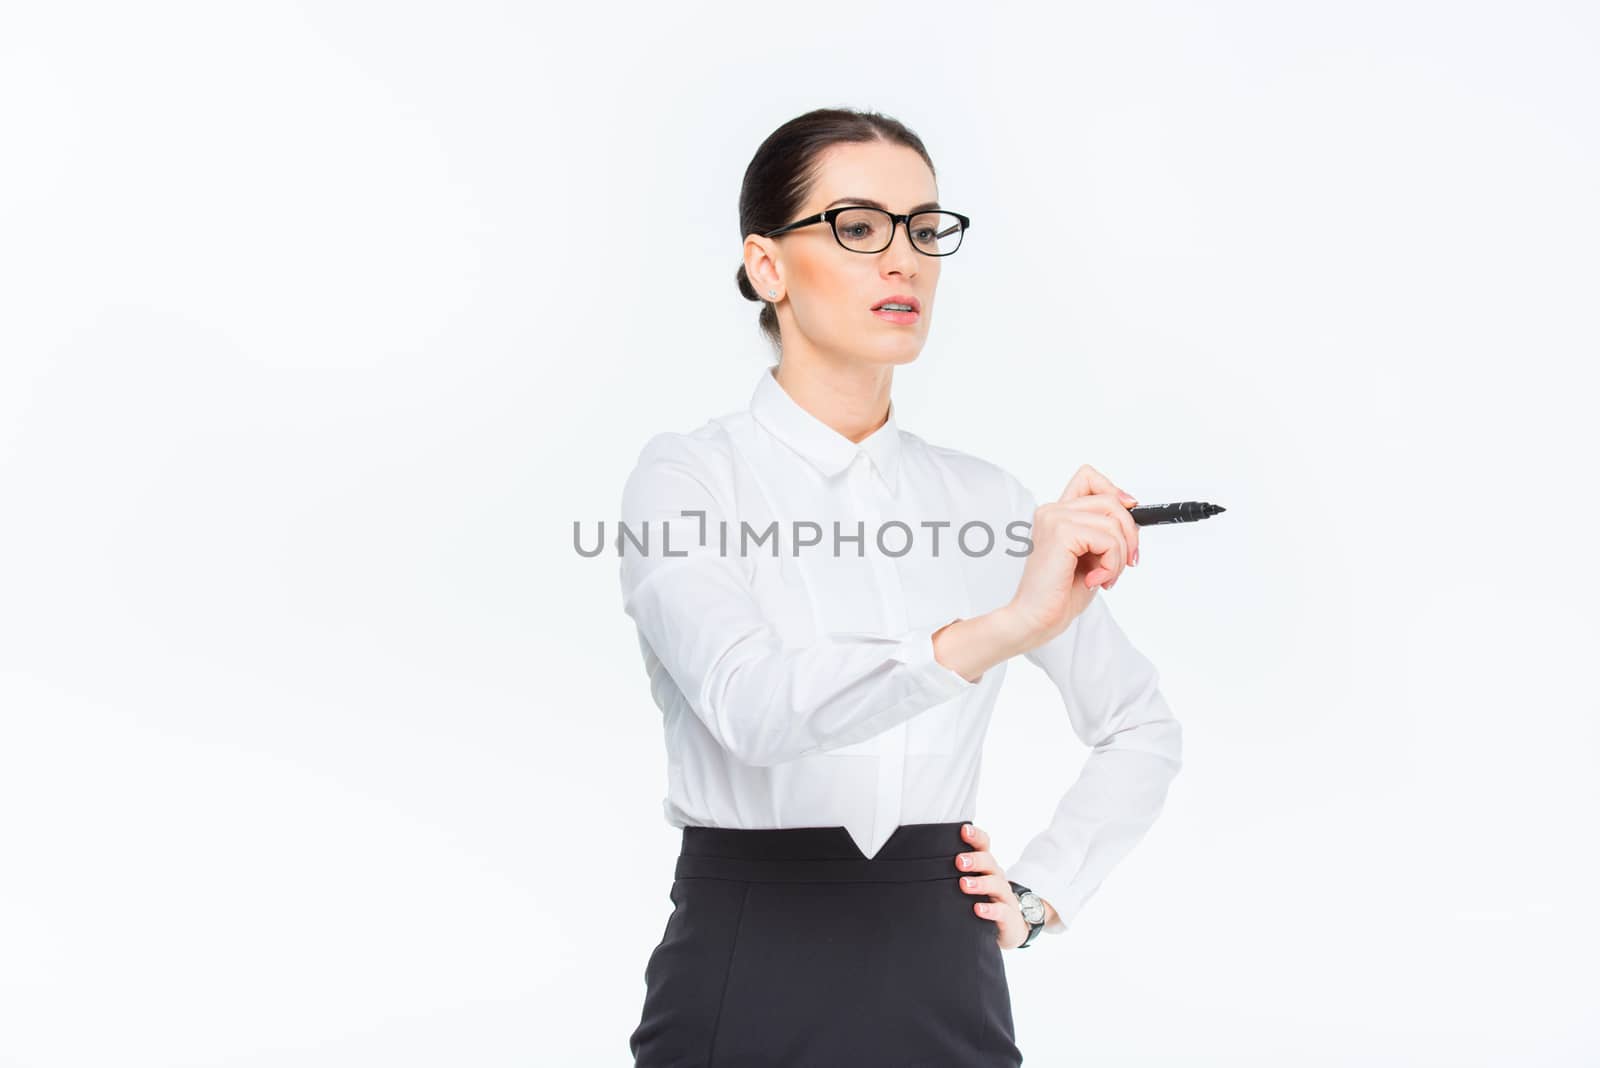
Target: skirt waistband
[915, 852]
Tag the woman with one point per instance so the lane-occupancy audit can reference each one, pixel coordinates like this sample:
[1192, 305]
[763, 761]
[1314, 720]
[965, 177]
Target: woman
[826, 625]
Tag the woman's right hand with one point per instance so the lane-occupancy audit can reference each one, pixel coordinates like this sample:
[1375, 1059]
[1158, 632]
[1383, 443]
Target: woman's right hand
[1081, 542]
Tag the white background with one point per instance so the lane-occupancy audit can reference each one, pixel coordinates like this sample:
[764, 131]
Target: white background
[322, 324]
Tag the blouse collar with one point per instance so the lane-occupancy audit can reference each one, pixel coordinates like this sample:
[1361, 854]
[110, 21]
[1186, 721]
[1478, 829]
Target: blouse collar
[822, 446]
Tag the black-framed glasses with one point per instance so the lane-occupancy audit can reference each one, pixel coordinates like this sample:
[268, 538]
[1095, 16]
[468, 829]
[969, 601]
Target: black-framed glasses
[870, 230]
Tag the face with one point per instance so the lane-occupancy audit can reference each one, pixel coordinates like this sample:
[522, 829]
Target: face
[826, 292]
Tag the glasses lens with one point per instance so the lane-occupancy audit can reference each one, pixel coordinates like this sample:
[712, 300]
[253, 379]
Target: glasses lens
[863, 229]
[937, 233]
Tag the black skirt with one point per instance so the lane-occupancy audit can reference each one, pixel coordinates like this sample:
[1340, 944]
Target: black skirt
[789, 947]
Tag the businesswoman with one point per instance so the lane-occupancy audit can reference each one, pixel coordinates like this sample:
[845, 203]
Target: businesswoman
[826, 604]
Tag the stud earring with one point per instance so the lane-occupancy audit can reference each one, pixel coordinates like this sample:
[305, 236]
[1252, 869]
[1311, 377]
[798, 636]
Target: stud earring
[772, 292]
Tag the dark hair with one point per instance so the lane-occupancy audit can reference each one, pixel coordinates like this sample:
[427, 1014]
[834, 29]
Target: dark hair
[784, 168]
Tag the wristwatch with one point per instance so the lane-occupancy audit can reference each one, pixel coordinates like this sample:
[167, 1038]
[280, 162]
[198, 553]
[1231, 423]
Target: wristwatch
[1032, 911]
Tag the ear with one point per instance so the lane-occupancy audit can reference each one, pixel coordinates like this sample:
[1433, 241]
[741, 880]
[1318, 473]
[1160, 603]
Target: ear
[761, 264]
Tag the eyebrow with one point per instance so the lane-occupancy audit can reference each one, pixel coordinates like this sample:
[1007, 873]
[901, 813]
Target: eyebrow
[869, 202]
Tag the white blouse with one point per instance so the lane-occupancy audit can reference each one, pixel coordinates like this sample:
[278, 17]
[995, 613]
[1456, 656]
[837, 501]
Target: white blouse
[786, 625]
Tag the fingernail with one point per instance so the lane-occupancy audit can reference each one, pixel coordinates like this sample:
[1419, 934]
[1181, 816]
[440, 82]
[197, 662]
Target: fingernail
[1129, 499]
[1136, 557]
[966, 829]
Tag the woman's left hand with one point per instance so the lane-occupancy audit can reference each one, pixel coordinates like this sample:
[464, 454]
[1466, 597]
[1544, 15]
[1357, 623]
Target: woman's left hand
[982, 876]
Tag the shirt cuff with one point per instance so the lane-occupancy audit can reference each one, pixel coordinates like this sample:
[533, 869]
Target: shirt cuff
[1043, 884]
[916, 652]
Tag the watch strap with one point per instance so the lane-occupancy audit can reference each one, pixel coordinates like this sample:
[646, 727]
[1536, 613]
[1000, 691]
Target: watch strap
[1033, 928]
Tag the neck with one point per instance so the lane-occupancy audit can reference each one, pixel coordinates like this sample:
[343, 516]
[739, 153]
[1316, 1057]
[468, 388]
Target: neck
[853, 400]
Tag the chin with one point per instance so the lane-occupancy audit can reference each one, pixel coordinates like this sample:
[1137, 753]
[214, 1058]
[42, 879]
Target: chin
[904, 352]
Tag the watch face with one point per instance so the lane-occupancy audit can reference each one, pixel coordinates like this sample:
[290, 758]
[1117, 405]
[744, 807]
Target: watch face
[1032, 907]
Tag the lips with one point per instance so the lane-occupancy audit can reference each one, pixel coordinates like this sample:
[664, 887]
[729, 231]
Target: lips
[900, 298]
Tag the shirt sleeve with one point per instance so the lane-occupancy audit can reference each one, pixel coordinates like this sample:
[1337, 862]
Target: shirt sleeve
[1114, 702]
[764, 701]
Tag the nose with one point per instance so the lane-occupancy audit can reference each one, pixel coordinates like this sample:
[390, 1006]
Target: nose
[901, 256]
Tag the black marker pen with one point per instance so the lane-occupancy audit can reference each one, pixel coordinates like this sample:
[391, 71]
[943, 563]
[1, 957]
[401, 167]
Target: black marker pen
[1148, 515]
